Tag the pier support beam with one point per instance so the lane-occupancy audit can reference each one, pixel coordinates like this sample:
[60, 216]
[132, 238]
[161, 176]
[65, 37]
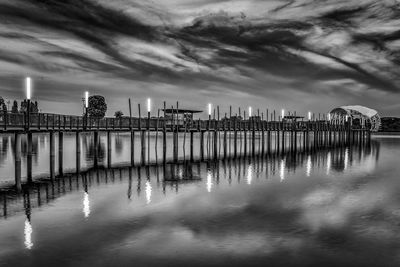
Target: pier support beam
[29, 158]
[52, 155]
[78, 151]
[108, 149]
[17, 161]
[96, 149]
[60, 153]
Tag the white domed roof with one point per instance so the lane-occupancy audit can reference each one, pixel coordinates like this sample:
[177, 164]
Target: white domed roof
[369, 112]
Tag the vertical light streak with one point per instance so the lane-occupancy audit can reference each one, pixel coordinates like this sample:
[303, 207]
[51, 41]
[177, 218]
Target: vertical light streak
[28, 87]
[249, 177]
[282, 170]
[308, 166]
[209, 181]
[148, 190]
[86, 205]
[86, 99]
[28, 234]
[148, 104]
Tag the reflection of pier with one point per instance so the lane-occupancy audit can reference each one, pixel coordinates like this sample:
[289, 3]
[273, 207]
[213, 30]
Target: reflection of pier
[169, 177]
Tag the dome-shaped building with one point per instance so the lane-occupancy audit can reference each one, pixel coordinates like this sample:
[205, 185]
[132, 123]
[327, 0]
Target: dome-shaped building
[359, 116]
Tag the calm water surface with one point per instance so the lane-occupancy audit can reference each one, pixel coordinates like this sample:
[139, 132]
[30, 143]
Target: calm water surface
[336, 207]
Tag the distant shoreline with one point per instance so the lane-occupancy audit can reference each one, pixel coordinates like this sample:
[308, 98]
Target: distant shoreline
[397, 133]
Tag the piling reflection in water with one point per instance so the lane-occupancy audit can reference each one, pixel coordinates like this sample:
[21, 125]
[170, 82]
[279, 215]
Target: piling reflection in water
[175, 175]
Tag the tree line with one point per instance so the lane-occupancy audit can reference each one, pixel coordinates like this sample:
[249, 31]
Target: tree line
[15, 108]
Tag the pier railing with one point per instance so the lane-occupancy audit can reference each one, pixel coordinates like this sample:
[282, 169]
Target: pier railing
[48, 121]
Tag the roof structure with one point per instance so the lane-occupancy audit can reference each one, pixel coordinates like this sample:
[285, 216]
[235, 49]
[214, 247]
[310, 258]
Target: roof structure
[361, 112]
[181, 111]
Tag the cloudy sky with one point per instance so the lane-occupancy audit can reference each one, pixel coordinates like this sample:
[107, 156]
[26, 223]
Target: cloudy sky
[296, 54]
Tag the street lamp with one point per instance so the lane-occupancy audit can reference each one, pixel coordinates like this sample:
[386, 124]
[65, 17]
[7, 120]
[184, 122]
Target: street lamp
[309, 115]
[283, 113]
[86, 107]
[28, 85]
[250, 109]
[209, 110]
[148, 105]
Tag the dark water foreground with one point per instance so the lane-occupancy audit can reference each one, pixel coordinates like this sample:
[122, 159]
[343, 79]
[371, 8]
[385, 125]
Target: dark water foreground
[335, 207]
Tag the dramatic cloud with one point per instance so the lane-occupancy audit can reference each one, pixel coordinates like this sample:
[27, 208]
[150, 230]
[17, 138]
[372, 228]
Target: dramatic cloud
[297, 54]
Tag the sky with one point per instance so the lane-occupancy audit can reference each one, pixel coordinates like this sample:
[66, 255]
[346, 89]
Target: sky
[299, 55]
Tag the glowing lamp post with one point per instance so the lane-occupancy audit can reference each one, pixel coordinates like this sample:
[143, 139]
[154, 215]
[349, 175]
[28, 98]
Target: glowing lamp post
[250, 111]
[148, 113]
[329, 117]
[86, 107]
[309, 115]
[209, 110]
[283, 113]
[28, 85]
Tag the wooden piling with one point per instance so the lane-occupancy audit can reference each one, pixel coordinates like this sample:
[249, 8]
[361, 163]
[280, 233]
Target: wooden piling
[17, 161]
[78, 151]
[52, 155]
[29, 158]
[60, 153]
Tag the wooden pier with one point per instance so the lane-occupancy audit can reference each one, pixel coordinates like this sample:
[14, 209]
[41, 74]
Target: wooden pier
[217, 136]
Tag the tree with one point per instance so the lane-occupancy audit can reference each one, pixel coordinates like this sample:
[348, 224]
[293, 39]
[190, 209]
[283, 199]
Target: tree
[3, 106]
[97, 106]
[118, 114]
[24, 106]
[34, 107]
[14, 108]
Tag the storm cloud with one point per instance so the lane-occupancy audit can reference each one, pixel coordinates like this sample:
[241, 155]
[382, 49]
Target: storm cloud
[298, 54]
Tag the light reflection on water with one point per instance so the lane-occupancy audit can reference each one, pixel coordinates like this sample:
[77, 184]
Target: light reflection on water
[325, 208]
[86, 205]
[28, 234]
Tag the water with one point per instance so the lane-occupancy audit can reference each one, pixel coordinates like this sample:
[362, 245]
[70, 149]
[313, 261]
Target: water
[326, 208]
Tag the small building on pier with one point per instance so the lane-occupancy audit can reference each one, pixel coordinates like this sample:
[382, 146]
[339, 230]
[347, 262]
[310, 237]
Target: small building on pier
[292, 118]
[180, 117]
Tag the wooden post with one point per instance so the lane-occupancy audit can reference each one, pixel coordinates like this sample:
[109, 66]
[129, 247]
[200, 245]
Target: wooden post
[191, 146]
[17, 161]
[78, 152]
[164, 137]
[132, 147]
[52, 155]
[60, 153]
[29, 158]
[108, 149]
[96, 148]
[130, 115]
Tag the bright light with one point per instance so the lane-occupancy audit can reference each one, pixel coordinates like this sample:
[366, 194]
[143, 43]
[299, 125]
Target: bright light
[28, 88]
[28, 234]
[347, 117]
[249, 174]
[209, 109]
[329, 116]
[309, 115]
[86, 205]
[328, 164]
[148, 104]
[86, 99]
[209, 181]
[283, 113]
[148, 192]
[346, 158]
[308, 166]
[250, 112]
[282, 170]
